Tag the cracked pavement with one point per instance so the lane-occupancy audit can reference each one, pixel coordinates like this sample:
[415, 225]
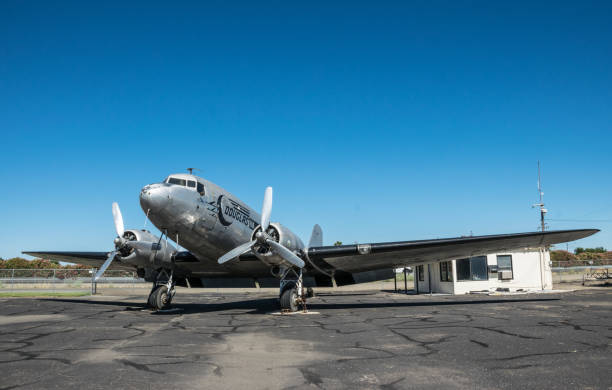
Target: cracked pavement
[348, 340]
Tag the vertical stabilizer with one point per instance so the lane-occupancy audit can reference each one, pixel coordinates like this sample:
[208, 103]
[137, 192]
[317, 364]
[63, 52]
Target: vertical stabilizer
[316, 237]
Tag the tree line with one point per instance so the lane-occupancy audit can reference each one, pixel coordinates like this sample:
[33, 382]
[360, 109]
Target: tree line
[21, 263]
[597, 255]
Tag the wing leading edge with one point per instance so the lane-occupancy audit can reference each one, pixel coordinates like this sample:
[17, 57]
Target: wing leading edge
[367, 257]
[92, 259]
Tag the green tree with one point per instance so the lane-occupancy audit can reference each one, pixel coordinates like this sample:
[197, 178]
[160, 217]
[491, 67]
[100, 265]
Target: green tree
[580, 250]
[337, 243]
[561, 255]
[15, 262]
[21, 263]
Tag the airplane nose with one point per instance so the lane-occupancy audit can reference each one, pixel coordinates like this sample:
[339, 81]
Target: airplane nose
[154, 197]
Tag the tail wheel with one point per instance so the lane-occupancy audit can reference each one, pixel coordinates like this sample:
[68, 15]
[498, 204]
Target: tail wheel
[288, 300]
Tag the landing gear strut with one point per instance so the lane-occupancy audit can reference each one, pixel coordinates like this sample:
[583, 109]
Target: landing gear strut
[292, 292]
[162, 292]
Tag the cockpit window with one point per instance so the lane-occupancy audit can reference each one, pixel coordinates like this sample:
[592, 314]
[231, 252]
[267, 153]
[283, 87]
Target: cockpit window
[180, 182]
[201, 188]
[191, 184]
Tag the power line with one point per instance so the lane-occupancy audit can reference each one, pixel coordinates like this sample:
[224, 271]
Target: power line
[579, 220]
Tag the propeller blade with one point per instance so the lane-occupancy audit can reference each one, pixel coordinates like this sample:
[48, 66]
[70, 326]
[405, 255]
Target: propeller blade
[266, 209]
[285, 253]
[239, 250]
[118, 220]
[109, 260]
[144, 245]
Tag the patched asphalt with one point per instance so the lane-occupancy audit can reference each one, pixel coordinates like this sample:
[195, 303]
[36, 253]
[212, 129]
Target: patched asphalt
[349, 340]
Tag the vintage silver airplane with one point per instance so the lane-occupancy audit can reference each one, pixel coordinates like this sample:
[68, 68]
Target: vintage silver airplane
[228, 241]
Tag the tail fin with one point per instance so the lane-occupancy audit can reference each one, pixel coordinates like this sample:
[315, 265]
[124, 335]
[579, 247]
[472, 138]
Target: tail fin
[316, 237]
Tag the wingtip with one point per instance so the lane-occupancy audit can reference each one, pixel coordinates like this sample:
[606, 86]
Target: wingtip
[583, 233]
[589, 231]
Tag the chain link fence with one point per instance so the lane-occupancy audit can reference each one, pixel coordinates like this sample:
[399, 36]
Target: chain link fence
[82, 279]
[64, 279]
[580, 263]
[582, 274]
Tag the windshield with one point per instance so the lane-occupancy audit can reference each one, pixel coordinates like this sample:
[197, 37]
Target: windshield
[174, 180]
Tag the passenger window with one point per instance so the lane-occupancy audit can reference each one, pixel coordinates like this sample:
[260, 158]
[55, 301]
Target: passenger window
[191, 184]
[201, 188]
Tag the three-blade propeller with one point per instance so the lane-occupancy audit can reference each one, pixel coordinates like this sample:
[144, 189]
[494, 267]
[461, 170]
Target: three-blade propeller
[262, 238]
[119, 229]
[121, 242]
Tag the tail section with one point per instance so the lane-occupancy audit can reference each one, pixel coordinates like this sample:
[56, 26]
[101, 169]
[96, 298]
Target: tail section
[316, 237]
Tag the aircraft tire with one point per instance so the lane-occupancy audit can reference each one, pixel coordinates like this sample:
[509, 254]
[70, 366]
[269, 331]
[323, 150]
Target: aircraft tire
[152, 297]
[162, 300]
[288, 300]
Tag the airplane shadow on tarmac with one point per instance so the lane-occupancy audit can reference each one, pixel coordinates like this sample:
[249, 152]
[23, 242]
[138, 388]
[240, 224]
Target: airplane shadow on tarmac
[269, 305]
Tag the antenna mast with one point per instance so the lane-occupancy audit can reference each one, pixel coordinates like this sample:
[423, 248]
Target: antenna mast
[543, 210]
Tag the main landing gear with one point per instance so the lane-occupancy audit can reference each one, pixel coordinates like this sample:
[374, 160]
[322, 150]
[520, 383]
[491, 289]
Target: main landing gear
[162, 292]
[292, 293]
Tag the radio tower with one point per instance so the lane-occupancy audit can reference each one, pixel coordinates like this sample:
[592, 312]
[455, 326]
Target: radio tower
[543, 210]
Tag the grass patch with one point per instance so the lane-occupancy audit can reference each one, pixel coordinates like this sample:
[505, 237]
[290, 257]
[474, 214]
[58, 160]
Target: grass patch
[19, 294]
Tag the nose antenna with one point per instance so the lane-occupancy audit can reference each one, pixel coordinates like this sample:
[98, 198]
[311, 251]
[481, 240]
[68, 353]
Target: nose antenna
[192, 169]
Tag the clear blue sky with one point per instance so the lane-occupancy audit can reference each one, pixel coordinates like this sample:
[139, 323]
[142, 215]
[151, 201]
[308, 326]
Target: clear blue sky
[380, 121]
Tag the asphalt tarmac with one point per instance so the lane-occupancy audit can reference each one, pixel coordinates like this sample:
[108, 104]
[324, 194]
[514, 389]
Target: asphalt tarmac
[350, 340]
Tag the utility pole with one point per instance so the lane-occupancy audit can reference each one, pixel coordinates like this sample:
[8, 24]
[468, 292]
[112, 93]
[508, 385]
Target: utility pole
[543, 210]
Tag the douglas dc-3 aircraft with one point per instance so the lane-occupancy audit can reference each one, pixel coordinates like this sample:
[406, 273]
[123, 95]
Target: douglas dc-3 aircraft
[226, 239]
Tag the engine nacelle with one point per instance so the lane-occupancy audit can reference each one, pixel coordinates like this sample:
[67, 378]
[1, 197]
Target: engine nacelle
[283, 236]
[155, 256]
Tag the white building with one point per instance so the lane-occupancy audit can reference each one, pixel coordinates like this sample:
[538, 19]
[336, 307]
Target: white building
[528, 269]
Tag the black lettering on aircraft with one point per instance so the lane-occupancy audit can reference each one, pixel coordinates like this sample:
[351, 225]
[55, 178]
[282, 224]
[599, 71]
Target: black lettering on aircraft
[234, 211]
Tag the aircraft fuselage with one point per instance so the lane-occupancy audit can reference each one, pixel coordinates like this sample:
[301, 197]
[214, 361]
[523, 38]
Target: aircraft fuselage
[208, 221]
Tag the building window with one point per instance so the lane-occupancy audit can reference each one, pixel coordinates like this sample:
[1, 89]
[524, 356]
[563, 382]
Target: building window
[504, 263]
[463, 269]
[446, 271]
[474, 268]
[421, 271]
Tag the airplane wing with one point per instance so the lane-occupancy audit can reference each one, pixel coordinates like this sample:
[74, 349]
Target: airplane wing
[374, 256]
[92, 259]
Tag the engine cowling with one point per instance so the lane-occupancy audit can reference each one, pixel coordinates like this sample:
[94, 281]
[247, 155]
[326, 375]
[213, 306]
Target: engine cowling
[280, 234]
[155, 256]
